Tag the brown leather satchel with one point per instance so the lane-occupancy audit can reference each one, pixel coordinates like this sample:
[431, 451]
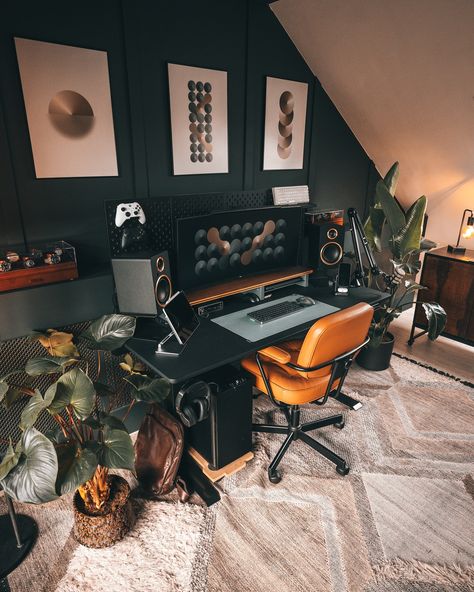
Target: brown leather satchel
[158, 451]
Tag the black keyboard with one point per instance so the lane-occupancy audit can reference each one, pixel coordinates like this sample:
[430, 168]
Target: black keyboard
[270, 313]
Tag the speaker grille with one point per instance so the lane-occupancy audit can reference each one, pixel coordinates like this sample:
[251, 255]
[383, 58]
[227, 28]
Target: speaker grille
[331, 253]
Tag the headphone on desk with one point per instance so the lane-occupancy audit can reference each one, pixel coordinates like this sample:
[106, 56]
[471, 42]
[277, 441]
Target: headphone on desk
[193, 402]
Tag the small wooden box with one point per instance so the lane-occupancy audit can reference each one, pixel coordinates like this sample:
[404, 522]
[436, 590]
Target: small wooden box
[36, 276]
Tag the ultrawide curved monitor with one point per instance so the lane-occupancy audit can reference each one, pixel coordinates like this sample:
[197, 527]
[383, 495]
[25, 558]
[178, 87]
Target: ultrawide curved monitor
[237, 243]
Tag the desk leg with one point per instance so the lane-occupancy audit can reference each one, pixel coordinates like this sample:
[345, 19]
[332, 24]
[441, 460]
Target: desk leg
[354, 404]
[197, 481]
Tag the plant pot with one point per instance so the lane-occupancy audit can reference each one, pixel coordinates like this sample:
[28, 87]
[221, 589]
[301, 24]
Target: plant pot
[377, 358]
[107, 528]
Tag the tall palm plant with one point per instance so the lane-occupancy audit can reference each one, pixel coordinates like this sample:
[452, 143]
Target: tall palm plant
[405, 244]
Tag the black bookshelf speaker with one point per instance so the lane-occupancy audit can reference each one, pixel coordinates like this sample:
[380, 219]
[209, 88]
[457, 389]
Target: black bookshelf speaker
[325, 245]
[143, 283]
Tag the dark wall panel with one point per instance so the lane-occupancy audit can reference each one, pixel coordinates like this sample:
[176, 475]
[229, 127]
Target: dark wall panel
[210, 35]
[66, 208]
[339, 165]
[271, 53]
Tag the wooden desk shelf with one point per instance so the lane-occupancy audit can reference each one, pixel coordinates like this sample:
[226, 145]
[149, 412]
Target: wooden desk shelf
[246, 284]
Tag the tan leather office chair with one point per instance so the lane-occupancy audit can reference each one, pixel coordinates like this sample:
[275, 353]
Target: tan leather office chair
[310, 370]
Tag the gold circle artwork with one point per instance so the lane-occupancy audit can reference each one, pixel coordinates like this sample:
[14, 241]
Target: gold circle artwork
[71, 114]
[285, 124]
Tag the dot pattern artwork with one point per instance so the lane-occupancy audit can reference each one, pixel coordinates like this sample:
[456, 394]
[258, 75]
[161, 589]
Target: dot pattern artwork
[200, 121]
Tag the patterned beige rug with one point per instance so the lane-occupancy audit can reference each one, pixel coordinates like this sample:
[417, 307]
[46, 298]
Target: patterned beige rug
[401, 521]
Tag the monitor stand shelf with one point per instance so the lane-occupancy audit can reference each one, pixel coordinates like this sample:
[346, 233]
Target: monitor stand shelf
[289, 275]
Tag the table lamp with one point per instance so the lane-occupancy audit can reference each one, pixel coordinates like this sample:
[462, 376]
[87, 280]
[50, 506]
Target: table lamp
[465, 231]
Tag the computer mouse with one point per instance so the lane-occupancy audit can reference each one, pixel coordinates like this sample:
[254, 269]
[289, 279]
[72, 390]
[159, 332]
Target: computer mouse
[249, 297]
[305, 301]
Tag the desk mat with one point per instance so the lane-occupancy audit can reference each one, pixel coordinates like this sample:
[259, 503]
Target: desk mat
[239, 323]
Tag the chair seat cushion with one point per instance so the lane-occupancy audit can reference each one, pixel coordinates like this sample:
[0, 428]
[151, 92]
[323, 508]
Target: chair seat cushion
[288, 385]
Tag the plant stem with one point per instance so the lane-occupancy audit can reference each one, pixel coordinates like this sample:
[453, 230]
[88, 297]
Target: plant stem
[132, 403]
[73, 424]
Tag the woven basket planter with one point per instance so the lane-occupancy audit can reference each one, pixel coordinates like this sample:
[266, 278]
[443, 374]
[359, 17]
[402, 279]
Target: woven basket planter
[105, 529]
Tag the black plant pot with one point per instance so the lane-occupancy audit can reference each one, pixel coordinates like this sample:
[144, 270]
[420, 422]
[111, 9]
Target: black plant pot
[377, 358]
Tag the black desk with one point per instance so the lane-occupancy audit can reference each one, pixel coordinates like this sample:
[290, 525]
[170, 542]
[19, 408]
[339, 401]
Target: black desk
[212, 346]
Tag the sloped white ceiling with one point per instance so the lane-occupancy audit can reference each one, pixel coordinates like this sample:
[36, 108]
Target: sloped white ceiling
[401, 73]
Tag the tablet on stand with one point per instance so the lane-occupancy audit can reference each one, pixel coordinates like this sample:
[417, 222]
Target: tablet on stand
[183, 322]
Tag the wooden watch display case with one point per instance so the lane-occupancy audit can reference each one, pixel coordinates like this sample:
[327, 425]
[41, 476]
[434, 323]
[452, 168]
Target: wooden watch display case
[52, 263]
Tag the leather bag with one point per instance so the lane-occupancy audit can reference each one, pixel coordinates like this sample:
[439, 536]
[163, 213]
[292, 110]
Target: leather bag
[158, 451]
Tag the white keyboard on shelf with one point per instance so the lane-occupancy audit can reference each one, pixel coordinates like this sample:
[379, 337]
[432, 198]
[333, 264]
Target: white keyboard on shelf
[288, 196]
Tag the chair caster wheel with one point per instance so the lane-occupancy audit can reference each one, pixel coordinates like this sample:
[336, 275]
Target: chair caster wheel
[342, 469]
[274, 477]
[340, 425]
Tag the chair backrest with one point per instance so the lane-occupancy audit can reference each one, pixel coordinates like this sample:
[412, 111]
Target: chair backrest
[333, 336]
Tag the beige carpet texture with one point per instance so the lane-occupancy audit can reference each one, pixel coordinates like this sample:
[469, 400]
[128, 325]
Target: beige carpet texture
[401, 521]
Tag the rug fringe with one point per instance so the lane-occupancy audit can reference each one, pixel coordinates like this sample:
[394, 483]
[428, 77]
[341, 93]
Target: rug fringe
[415, 570]
[441, 372]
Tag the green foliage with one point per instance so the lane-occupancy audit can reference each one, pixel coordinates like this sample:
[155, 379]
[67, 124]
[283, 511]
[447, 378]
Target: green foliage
[150, 390]
[39, 468]
[32, 480]
[405, 243]
[109, 332]
[436, 316]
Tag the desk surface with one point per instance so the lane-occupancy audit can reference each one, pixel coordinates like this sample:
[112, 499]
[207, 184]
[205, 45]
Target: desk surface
[212, 346]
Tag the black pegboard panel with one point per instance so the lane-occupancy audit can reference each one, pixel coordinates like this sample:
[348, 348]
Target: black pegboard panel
[162, 212]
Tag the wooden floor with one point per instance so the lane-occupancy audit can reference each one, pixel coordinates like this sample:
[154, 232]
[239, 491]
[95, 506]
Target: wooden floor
[444, 354]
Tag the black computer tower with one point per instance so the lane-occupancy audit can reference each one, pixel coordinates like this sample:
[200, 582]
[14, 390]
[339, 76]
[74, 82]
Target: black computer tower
[226, 434]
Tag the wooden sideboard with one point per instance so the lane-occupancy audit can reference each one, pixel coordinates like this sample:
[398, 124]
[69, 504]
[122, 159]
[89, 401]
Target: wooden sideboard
[449, 280]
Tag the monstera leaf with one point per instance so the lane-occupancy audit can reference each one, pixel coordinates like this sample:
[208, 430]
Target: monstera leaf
[35, 406]
[33, 478]
[76, 466]
[51, 365]
[437, 317]
[150, 390]
[409, 237]
[115, 451]
[74, 388]
[109, 332]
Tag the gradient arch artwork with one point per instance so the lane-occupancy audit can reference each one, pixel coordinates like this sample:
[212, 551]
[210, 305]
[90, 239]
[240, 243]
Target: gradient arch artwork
[198, 105]
[285, 122]
[69, 109]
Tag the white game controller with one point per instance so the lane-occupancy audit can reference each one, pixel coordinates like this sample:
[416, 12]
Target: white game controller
[125, 211]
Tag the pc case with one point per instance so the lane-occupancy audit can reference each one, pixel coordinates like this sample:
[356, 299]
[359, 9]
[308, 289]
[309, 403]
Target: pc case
[226, 434]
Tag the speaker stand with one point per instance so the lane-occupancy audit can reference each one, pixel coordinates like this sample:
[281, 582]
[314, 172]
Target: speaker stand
[15, 547]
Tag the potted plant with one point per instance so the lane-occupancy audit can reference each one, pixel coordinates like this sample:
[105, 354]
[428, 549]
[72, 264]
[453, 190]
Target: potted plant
[89, 441]
[401, 231]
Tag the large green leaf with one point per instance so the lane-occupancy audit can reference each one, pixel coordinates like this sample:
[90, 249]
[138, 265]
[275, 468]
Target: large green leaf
[109, 332]
[34, 477]
[409, 237]
[76, 466]
[391, 178]
[9, 461]
[150, 390]
[116, 451]
[49, 365]
[393, 212]
[34, 407]
[9, 394]
[437, 317]
[426, 244]
[373, 227]
[74, 388]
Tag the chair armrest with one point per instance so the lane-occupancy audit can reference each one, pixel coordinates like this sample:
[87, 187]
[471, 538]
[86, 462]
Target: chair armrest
[276, 354]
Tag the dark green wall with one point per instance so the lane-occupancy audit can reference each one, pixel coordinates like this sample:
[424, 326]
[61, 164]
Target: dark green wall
[141, 37]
